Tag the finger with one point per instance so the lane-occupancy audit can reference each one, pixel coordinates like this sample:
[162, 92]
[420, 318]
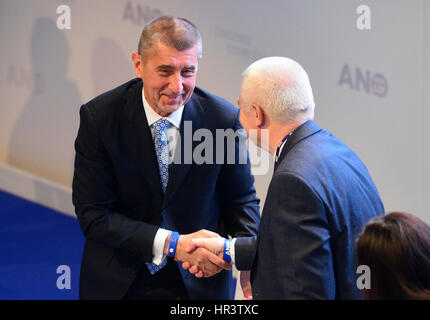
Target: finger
[199, 274]
[209, 269]
[202, 242]
[210, 234]
[221, 263]
[194, 269]
[245, 283]
[214, 245]
[247, 293]
[186, 265]
[191, 247]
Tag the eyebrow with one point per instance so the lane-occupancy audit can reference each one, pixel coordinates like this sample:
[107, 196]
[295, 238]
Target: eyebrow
[190, 68]
[168, 67]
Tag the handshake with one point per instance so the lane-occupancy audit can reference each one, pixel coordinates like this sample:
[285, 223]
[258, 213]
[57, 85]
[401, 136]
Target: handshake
[201, 253]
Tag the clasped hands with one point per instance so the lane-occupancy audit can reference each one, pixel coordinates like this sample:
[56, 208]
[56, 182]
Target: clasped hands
[201, 253]
[203, 259]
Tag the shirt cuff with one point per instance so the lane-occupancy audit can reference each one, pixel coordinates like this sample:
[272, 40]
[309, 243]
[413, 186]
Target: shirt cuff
[233, 242]
[158, 246]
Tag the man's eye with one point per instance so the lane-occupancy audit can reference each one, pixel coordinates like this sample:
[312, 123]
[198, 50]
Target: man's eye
[188, 72]
[165, 73]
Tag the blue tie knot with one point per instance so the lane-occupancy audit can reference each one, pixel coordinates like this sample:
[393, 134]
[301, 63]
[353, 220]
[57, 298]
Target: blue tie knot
[161, 125]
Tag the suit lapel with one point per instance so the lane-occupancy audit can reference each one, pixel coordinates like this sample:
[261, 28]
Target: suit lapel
[305, 130]
[193, 116]
[138, 137]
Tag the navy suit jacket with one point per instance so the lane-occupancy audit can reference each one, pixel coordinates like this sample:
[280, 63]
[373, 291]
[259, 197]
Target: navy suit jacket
[118, 196]
[320, 197]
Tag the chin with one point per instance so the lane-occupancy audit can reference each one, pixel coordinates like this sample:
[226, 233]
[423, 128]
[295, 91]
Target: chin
[169, 108]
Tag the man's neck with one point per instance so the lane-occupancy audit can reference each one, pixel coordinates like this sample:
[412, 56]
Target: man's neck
[278, 131]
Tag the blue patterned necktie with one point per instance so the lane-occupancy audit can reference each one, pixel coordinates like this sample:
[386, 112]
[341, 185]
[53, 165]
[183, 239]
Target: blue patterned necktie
[162, 149]
[162, 152]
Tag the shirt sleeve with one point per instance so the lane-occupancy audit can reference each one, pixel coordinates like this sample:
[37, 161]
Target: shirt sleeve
[158, 245]
[233, 242]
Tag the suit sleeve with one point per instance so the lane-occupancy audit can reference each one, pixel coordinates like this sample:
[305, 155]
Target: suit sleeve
[244, 250]
[95, 197]
[298, 226]
[239, 203]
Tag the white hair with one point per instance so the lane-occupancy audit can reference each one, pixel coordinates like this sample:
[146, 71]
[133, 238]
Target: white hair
[281, 87]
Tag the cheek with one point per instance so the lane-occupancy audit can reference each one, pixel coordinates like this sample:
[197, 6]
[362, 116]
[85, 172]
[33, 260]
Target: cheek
[242, 120]
[153, 81]
[189, 85]
[158, 88]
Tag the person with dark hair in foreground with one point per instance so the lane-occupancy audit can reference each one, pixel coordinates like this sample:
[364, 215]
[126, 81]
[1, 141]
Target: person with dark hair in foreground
[396, 248]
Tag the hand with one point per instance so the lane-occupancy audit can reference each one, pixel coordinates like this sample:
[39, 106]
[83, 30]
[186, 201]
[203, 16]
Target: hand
[215, 245]
[207, 262]
[245, 283]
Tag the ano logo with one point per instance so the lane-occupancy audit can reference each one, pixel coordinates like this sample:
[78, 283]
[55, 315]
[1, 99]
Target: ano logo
[360, 80]
[139, 15]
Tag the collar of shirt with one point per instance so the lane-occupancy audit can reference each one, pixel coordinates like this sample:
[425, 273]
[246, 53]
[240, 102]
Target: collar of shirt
[152, 116]
[281, 146]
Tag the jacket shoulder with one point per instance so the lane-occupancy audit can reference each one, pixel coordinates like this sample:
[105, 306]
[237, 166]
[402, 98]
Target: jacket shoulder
[323, 159]
[109, 101]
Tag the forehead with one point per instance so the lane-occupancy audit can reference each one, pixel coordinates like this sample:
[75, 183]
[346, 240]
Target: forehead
[242, 93]
[162, 54]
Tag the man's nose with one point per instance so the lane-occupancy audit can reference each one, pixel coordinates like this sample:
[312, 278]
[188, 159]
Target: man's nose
[175, 83]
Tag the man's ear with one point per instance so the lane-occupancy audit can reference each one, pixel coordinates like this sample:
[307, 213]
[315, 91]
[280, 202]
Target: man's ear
[137, 63]
[259, 115]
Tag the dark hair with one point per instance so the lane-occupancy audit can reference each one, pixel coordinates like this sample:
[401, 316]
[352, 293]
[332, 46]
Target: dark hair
[178, 33]
[396, 247]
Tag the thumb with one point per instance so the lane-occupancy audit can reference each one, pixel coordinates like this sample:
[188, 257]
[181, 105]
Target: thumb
[212, 244]
[191, 247]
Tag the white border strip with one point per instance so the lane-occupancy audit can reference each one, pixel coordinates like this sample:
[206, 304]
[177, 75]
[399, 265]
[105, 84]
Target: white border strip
[36, 189]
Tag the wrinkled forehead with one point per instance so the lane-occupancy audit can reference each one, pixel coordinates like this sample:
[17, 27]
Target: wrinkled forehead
[162, 54]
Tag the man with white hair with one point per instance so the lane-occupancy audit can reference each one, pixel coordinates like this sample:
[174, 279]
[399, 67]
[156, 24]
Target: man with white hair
[320, 196]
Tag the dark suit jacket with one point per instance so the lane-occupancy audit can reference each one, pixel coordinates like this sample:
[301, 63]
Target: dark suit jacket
[119, 200]
[320, 197]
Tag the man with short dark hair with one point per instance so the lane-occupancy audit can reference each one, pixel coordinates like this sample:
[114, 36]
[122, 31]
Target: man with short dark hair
[138, 210]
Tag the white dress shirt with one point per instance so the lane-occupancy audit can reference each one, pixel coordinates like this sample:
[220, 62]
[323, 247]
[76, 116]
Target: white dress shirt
[276, 156]
[172, 135]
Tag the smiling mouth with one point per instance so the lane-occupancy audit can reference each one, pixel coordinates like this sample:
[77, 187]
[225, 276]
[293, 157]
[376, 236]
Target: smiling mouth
[172, 98]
